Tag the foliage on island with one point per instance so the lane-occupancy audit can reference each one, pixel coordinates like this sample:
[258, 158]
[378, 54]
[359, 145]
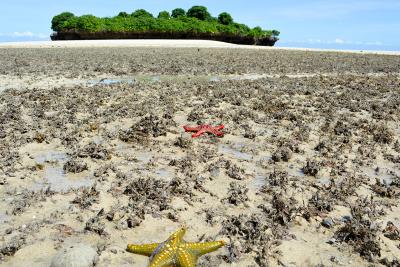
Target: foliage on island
[195, 22]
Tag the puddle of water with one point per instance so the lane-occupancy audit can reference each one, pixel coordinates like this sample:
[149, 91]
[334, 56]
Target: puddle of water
[5, 221]
[98, 140]
[54, 175]
[235, 153]
[258, 182]
[386, 179]
[51, 157]
[263, 159]
[161, 78]
[3, 217]
[112, 81]
[251, 77]
[156, 78]
[291, 170]
[324, 181]
[60, 182]
[266, 157]
[127, 150]
[144, 157]
[4, 85]
[215, 79]
[164, 173]
[382, 175]
[123, 148]
[215, 172]
[181, 118]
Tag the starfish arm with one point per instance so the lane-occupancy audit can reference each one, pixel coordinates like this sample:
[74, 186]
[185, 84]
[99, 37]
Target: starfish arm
[145, 250]
[186, 259]
[162, 259]
[200, 249]
[192, 129]
[176, 237]
[202, 131]
[218, 133]
[219, 127]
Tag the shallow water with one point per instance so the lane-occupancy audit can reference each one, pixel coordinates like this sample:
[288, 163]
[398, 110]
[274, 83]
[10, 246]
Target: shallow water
[164, 174]
[5, 221]
[33, 82]
[215, 172]
[214, 79]
[293, 171]
[324, 180]
[144, 157]
[128, 150]
[51, 157]
[98, 140]
[112, 81]
[156, 78]
[258, 182]
[3, 217]
[383, 175]
[163, 78]
[224, 149]
[54, 175]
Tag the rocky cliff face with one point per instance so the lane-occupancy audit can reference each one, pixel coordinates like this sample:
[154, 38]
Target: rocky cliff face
[78, 35]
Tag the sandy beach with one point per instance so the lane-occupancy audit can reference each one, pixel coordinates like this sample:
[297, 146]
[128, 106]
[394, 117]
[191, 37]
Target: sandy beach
[172, 44]
[93, 153]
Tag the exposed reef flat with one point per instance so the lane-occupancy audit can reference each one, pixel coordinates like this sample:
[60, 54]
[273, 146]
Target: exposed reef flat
[93, 154]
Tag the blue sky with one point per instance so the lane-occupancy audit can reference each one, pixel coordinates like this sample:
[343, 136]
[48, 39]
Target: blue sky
[340, 24]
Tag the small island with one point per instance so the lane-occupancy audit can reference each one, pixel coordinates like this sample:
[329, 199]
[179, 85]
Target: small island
[196, 23]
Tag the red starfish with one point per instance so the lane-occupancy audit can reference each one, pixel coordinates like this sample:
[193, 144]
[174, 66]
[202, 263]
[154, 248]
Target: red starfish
[205, 128]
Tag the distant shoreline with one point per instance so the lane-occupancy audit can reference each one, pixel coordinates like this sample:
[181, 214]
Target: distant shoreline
[171, 44]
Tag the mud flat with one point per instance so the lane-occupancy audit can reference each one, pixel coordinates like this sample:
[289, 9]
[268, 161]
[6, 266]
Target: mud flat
[93, 154]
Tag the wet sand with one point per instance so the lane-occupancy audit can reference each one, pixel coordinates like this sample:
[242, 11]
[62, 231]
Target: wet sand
[92, 152]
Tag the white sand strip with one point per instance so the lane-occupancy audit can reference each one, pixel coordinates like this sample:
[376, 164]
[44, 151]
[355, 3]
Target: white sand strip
[168, 43]
[118, 43]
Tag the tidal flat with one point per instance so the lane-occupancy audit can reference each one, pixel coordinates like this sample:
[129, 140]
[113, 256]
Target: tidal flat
[93, 153]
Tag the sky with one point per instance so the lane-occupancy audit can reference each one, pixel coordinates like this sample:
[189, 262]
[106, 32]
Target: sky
[333, 24]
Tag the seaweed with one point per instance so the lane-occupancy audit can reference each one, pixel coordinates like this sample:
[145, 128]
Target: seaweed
[237, 194]
[87, 197]
[312, 168]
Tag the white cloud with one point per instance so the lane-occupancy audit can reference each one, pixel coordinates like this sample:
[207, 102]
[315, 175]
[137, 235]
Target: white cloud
[29, 34]
[26, 34]
[314, 41]
[22, 34]
[337, 41]
[43, 36]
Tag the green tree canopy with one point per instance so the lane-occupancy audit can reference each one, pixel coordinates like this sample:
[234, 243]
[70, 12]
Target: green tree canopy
[178, 12]
[225, 18]
[164, 15]
[256, 31]
[89, 23]
[275, 33]
[198, 23]
[141, 13]
[57, 21]
[123, 14]
[199, 12]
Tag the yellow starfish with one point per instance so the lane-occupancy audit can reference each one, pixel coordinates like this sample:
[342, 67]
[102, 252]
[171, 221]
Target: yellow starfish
[175, 252]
